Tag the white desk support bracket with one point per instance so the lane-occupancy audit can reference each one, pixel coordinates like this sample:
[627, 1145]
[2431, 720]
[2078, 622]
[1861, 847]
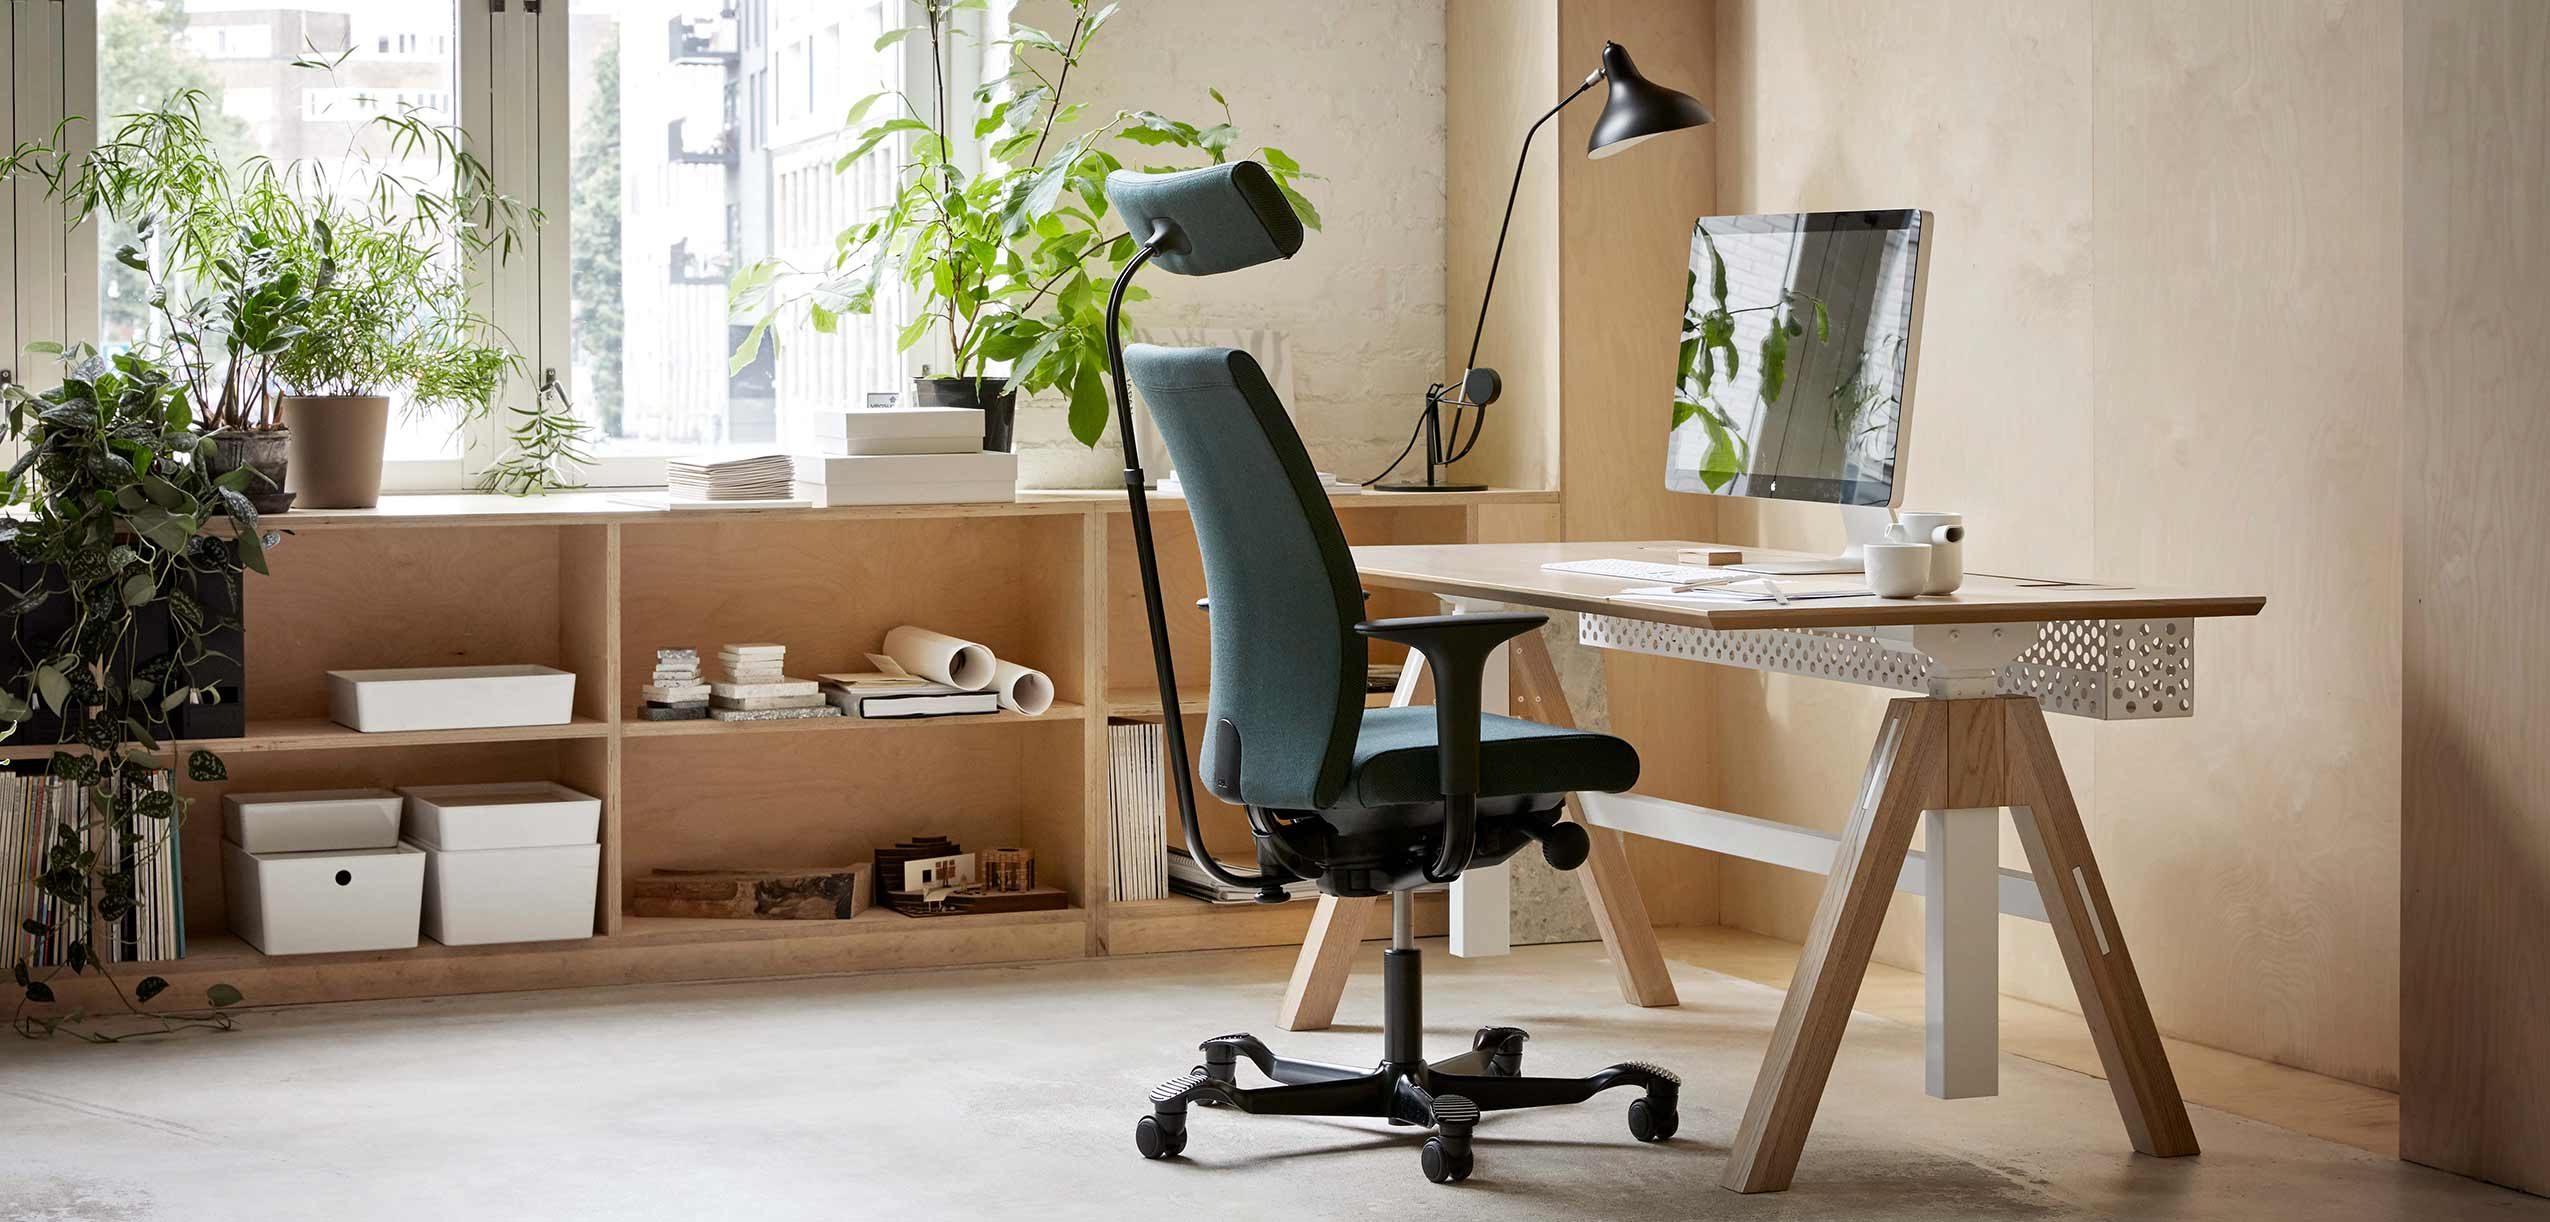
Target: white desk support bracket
[1481, 917]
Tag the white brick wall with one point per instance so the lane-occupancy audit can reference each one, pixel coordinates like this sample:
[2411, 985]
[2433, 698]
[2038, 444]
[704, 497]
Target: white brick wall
[1354, 90]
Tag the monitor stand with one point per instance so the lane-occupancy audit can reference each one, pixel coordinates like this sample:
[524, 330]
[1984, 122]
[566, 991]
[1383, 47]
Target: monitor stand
[1861, 524]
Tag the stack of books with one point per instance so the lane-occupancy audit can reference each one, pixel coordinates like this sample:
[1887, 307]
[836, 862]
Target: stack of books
[729, 478]
[904, 456]
[891, 691]
[1137, 811]
[33, 809]
[757, 687]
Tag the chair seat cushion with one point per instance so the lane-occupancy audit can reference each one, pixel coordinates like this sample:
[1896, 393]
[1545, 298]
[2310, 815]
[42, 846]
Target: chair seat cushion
[1395, 763]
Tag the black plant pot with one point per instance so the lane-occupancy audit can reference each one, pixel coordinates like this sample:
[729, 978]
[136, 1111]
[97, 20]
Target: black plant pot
[223, 603]
[998, 403]
[268, 451]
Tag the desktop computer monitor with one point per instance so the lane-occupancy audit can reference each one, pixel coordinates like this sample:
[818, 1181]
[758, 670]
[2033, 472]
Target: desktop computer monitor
[1800, 332]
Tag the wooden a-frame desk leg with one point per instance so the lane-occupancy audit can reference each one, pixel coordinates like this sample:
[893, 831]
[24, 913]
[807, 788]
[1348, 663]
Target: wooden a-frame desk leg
[1920, 764]
[1327, 954]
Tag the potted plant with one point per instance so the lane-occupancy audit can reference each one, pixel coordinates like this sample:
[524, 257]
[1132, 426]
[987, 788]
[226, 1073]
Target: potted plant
[112, 527]
[266, 278]
[1008, 265]
[390, 309]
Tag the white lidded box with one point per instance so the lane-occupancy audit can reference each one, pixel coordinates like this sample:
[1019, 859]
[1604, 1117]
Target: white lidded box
[311, 820]
[506, 862]
[500, 815]
[312, 903]
[451, 697]
[901, 430]
[908, 479]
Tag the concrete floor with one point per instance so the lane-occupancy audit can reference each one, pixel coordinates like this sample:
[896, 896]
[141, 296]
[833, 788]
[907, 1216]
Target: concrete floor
[1012, 1092]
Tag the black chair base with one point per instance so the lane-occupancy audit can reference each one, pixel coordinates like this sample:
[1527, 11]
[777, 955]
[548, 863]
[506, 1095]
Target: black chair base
[1446, 1096]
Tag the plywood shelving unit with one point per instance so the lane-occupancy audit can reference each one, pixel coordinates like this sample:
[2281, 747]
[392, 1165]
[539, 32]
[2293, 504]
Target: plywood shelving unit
[592, 585]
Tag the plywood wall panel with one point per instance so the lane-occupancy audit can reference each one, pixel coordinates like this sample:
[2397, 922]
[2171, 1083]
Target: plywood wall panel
[1979, 113]
[2246, 364]
[2475, 821]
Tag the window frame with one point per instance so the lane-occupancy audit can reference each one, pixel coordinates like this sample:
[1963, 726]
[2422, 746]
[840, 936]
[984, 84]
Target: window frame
[511, 75]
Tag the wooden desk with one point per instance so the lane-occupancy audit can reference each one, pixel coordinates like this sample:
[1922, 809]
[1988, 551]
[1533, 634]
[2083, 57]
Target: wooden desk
[1988, 663]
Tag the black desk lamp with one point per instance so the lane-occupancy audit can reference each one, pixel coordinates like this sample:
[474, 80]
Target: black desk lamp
[1634, 109]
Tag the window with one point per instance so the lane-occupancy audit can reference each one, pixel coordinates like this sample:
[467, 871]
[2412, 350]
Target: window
[696, 135]
[673, 183]
[149, 49]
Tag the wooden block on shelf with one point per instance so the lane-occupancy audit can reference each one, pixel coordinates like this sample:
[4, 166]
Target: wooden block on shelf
[812, 894]
[1034, 899]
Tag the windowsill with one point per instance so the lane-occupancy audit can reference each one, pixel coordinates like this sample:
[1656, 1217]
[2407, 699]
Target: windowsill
[595, 506]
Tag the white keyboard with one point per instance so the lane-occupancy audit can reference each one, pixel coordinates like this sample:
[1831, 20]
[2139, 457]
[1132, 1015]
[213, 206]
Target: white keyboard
[1637, 570]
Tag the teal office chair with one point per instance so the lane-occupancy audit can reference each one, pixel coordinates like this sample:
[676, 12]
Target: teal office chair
[1364, 801]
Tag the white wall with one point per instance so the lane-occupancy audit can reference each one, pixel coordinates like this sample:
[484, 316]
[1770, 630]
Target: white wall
[1354, 90]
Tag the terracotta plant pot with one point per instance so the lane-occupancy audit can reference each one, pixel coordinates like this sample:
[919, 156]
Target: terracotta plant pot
[999, 405]
[268, 451]
[336, 449]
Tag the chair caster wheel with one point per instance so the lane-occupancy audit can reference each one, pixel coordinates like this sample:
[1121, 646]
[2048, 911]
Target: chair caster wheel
[1446, 1161]
[1652, 1121]
[1155, 1140]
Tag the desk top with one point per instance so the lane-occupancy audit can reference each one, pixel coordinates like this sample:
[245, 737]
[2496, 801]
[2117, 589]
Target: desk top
[1512, 573]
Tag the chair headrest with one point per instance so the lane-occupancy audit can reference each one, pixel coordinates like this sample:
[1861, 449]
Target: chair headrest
[1228, 216]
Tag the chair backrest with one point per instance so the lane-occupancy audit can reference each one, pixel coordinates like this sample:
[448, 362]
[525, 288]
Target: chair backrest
[1288, 666]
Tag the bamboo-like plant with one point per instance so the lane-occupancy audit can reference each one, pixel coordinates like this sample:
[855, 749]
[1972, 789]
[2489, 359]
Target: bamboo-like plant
[1008, 265]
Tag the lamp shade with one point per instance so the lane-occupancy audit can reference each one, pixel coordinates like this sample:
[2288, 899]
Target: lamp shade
[1638, 108]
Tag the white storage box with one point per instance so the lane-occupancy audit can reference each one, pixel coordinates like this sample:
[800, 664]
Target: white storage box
[503, 815]
[908, 479]
[541, 894]
[901, 430]
[451, 697]
[309, 903]
[311, 821]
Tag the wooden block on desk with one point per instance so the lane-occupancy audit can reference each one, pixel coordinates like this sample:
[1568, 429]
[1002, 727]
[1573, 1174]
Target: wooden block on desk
[812, 894]
[1713, 557]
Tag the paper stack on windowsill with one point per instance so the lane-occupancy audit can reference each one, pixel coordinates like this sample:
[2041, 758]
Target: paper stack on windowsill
[735, 476]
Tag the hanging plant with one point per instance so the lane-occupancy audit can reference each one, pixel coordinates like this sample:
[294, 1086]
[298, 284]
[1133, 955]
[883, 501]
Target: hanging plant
[114, 523]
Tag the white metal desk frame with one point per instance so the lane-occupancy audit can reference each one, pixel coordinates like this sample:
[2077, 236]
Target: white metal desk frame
[1958, 870]
[2105, 669]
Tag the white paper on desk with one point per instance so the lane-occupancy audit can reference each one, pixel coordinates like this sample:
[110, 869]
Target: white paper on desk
[1727, 594]
[941, 658]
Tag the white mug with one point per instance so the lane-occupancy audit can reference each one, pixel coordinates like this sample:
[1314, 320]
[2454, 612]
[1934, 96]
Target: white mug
[1898, 570]
[1946, 535]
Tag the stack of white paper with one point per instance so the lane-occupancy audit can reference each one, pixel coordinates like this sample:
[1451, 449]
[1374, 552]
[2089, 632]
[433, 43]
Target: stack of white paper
[730, 477]
[1137, 811]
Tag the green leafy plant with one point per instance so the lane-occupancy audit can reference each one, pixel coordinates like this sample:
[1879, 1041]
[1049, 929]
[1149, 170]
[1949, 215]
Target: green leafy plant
[113, 522]
[386, 250]
[1008, 266]
[1708, 361]
[547, 447]
[266, 277]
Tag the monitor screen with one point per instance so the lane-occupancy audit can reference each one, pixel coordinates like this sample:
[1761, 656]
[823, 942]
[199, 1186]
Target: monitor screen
[1798, 337]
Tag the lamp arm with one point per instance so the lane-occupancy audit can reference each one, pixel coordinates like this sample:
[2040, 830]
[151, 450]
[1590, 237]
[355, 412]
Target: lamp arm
[1172, 725]
[1511, 194]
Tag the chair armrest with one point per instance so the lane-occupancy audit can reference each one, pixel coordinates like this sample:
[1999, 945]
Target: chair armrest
[1456, 648]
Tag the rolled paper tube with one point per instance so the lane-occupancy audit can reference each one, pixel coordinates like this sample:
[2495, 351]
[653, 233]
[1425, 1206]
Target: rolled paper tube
[1022, 690]
[941, 658]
